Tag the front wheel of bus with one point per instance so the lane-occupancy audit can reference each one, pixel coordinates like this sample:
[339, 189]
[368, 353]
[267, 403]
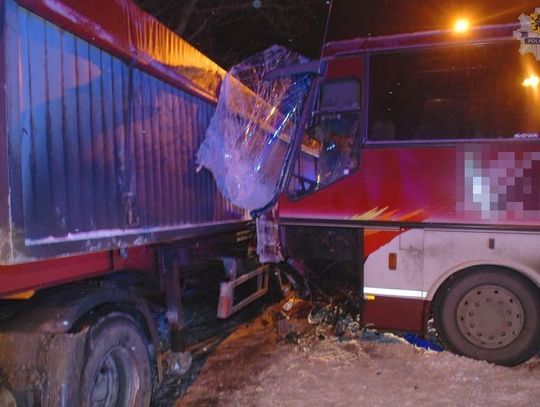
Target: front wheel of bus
[489, 313]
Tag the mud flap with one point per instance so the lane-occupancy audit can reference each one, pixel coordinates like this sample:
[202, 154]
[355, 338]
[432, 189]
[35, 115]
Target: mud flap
[42, 368]
[226, 305]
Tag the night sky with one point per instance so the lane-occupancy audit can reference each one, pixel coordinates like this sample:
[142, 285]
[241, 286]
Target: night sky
[230, 30]
[380, 17]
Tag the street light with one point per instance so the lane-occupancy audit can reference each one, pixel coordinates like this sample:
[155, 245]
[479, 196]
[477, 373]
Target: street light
[461, 25]
[531, 82]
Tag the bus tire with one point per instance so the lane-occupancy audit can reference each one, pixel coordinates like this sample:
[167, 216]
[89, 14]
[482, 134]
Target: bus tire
[489, 313]
[117, 368]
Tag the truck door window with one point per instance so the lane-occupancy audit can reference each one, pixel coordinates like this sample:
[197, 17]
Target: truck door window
[330, 143]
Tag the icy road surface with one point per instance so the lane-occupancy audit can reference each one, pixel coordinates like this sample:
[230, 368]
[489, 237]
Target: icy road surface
[253, 368]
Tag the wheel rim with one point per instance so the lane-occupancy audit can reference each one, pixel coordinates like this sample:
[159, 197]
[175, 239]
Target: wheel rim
[490, 316]
[115, 380]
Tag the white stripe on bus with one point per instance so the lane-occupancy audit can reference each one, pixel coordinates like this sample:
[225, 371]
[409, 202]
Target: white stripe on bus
[393, 292]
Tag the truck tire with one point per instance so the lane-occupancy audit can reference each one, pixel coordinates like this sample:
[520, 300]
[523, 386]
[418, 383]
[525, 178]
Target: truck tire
[117, 367]
[490, 313]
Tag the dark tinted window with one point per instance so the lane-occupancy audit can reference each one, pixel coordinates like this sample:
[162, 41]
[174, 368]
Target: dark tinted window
[465, 92]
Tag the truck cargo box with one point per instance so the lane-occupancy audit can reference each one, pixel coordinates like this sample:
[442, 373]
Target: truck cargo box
[102, 111]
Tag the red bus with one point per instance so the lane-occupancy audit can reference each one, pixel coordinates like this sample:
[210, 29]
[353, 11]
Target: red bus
[427, 178]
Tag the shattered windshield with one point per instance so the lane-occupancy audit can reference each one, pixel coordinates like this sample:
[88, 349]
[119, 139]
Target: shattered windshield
[253, 126]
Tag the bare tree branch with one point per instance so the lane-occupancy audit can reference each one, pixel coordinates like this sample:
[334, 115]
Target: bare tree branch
[185, 14]
[229, 30]
[199, 30]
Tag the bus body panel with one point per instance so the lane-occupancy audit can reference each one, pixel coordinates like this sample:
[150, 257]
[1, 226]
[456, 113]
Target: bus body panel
[436, 184]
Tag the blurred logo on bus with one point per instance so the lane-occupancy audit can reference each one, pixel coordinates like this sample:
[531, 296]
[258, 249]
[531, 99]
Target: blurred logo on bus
[535, 22]
[529, 33]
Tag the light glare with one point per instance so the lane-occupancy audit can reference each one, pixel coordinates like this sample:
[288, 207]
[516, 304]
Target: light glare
[531, 82]
[461, 25]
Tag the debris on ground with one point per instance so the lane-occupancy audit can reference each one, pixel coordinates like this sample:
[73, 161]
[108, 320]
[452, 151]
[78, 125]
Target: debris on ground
[257, 366]
[312, 351]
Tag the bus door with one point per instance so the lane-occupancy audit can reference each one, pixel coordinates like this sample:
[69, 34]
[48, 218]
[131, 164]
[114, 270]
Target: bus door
[332, 140]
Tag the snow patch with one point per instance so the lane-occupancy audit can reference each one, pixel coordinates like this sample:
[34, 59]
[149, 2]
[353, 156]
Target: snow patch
[115, 233]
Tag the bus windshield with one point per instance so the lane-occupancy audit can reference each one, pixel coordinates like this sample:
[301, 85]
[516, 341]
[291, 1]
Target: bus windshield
[250, 134]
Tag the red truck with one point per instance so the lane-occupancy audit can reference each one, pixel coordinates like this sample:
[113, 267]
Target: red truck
[102, 109]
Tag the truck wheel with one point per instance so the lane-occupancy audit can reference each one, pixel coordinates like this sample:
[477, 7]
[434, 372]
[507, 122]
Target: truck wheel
[491, 314]
[117, 367]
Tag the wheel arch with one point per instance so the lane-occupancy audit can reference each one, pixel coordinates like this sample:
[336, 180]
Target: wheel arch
[435, 290]
[465, 336]
[49, 332]
[139, 314]
[114, 351]
[68, 309]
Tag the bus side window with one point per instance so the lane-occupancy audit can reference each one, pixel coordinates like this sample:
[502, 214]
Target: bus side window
[452, 93]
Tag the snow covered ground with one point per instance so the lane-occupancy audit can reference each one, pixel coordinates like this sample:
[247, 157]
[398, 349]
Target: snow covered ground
[392, 374]
[253, 367]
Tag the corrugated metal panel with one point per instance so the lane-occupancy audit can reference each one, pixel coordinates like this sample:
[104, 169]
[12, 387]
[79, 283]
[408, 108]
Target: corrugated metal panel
[5, 215]
[171, 191]
[121, 28]
[95, 131]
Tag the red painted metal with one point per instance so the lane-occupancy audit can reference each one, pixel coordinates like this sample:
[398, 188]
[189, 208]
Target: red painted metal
[389, 313]
[391, 184]
[136, 258]
[51, 272]
[419, 39]
[41, 274]
[421, 184]
[345, 67]
[105, 25]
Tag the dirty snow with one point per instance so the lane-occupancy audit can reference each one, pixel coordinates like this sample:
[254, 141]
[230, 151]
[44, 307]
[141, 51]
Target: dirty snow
[114, 233]
[253, 367]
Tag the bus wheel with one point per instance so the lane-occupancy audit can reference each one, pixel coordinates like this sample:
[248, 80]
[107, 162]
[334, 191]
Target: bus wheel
[117, 368]
[489, 313]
